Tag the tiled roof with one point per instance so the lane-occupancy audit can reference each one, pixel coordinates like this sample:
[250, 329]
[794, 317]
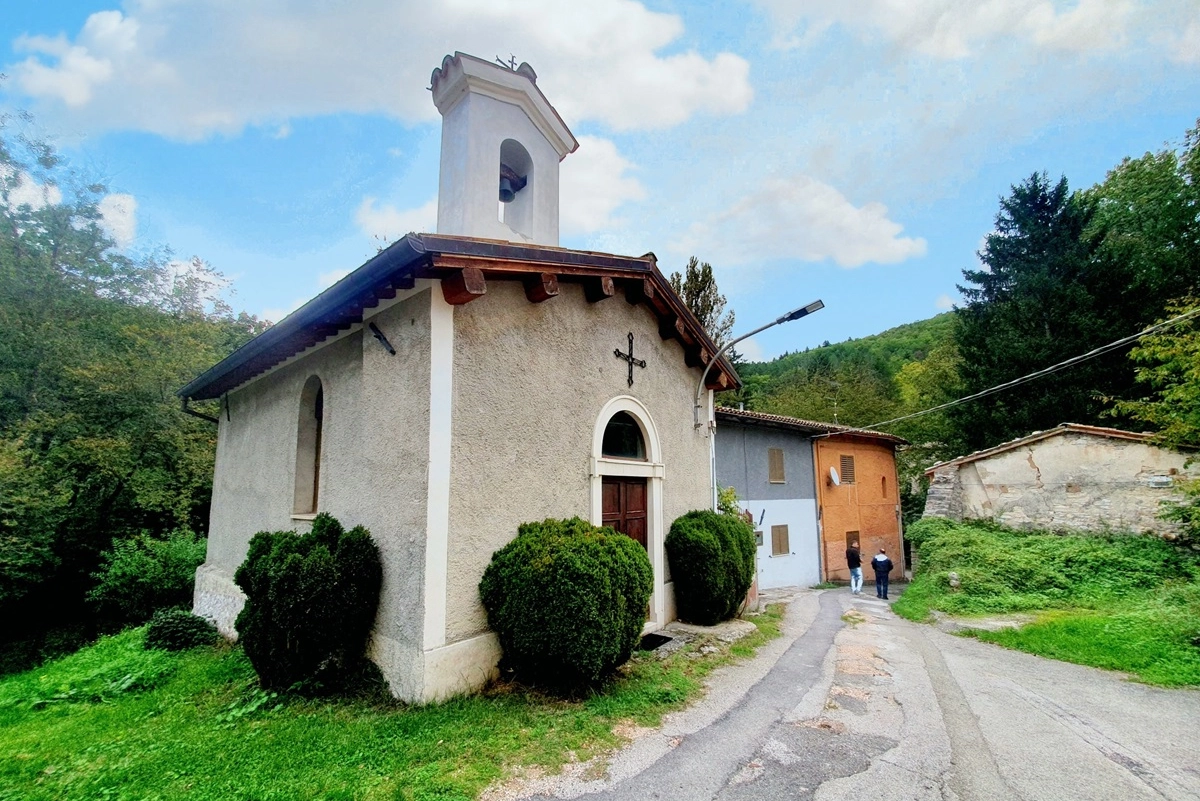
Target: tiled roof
[802, 426]
[439, 256]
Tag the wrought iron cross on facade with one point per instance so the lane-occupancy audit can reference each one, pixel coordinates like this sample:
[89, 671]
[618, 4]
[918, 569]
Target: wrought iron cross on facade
[629, 358]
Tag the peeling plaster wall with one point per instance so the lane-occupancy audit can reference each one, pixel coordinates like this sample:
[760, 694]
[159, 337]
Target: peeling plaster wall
[529, 382]
[374, 455]
[1070, 481]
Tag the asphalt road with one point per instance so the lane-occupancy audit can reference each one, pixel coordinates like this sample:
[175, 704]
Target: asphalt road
[854, 702]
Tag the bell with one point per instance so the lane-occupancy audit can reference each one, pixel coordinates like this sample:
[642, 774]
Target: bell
[506, 191]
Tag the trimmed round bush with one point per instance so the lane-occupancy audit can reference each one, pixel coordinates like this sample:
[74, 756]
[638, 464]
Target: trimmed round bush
[712, 565]
[567, 600]
[179, 630]
[310, 603]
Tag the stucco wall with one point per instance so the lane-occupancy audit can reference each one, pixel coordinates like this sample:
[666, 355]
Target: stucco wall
[529, 382]
[373, 471]
[742, 462]
[868, 506]
[1072, 481]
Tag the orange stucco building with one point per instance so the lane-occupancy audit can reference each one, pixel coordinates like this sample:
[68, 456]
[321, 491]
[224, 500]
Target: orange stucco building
[858, 499]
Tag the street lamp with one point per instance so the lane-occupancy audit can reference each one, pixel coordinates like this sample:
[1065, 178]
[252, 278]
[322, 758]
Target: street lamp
[794, 314]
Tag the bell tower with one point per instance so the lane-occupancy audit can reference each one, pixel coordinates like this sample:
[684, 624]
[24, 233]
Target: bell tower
[502, 142]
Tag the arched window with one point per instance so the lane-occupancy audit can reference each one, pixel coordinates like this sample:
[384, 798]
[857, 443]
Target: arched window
[308, 447]
[623, 438]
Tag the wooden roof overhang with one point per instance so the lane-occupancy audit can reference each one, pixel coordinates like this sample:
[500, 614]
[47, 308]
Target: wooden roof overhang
[464, 266]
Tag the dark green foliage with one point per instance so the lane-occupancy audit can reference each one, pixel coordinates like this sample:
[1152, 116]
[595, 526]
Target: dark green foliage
[567, 600]
[1002, 570]
[310, 603]
[698, 290]
[1036, 301]
[179, 630]
[712, 563]
[94, 448]
[140, 576]
[1126, 603]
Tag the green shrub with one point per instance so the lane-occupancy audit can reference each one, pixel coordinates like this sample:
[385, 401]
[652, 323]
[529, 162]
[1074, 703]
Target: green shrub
[142, 575]
[712, 564]
[1003, 570]
[567, 600]
[179, 630]
[310, 603]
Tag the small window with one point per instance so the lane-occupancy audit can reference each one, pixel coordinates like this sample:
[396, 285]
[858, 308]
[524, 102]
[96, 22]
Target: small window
[852, 539]
[775, 466]
[623, 438]
[847, 470]
[779, 541]
[883, 479]
[309, 434]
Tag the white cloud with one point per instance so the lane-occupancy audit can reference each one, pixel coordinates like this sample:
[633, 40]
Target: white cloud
[118, 218]
[326, 280]
[751, 351]
[387, 223]
[190, 70]
[1186, 48]
[951, 29]
[944, 302]
[593, 184]
[23, 190]
[804, 219]
[277, 313]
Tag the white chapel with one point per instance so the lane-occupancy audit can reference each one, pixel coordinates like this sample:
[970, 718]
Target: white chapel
[460, 383]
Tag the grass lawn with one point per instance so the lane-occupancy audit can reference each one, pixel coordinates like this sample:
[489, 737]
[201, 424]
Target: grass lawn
[115, 721]
[1127, 603]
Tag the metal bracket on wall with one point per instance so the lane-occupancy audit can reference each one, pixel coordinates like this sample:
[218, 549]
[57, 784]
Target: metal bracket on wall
[382, 339]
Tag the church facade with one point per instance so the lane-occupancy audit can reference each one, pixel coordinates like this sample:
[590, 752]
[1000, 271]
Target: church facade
[461, 383]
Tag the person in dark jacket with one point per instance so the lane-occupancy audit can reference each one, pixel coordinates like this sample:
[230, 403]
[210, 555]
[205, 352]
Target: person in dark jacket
[882, 566]
[854, 562]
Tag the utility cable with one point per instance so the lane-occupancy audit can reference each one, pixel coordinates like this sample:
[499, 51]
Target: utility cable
[1074, 360]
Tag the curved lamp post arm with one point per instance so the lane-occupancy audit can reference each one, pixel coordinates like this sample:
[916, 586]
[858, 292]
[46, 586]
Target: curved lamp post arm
[794, 314]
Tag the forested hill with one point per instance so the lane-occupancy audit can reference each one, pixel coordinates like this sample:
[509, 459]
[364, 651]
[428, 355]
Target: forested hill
[891, 349]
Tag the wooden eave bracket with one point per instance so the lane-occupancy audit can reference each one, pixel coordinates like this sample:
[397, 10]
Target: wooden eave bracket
[541, 287]
[464, 286]
[639, 290]
[598, 288]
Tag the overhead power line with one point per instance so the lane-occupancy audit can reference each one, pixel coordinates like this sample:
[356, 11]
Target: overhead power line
[1074, 360]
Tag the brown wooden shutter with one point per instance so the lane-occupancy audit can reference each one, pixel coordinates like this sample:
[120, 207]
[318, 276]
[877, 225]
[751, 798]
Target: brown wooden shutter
[847, 470]
[775, 466]
[779, 541]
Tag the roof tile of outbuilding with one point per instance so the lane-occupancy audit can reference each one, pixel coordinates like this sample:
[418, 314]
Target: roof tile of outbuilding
[803, 426]
[1036, 436]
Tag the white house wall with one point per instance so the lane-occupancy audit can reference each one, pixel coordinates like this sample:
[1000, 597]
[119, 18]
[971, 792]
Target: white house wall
[800, 566]
[374, 463]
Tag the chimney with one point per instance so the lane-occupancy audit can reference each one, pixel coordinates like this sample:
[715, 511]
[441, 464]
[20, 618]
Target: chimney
[501, 145]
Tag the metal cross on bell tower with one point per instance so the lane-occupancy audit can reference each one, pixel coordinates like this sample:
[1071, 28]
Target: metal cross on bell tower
[628, 357]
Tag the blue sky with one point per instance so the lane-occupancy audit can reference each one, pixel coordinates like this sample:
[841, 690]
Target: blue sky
[849, 151]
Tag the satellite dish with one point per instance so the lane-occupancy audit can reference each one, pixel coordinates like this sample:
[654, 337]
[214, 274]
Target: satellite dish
[834, 478]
